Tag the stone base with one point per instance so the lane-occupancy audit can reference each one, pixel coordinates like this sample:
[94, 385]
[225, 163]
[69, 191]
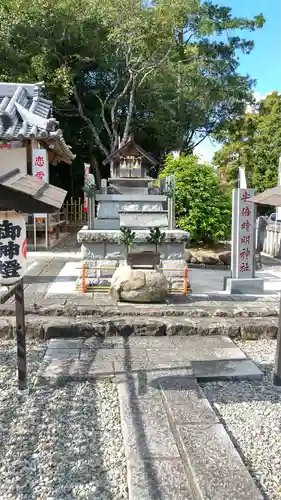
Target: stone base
[103, 244]
[252, 286]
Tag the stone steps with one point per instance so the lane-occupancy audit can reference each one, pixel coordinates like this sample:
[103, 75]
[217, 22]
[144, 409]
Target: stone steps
[85, 306]
[87, 326]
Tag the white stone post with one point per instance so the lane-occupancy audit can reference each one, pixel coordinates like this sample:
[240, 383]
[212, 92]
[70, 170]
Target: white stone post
[104, 186]
[243, 259]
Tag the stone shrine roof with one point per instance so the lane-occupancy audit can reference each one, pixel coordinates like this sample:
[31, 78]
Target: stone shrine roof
[26, 114]
[122, 150]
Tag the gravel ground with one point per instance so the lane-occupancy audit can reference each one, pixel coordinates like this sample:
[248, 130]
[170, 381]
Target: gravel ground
[59, 443]
[251, 412]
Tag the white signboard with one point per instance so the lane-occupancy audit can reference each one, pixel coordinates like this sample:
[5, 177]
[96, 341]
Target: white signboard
[40, 168]
[245, 242]
[12, 247]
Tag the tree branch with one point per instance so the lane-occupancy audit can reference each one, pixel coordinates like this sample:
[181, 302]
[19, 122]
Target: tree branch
[130, 112]
[152, 68]
[104, 121]
[202, 139]
[88, 121]
[113, 107]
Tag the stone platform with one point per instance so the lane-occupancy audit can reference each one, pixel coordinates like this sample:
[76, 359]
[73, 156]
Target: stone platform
[101, 244]
[175, 445]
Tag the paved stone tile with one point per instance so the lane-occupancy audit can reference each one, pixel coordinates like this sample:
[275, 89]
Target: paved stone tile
[112, 354]
[145, 427]
[254, 298]
[202, 370]
[145, 384]
[76, 343]
[62, 371]
[121, 367]
[226, 369]
[61, 354]
[157, 479]
[158, 343]
[185, 400]
[183, 354]
[219, 471]
[85, 370]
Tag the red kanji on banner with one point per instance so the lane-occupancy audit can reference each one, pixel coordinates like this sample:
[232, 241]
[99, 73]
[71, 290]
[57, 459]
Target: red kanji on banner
[246, 212]
[246, 225]
[39, 175]
[245, 253]
[245, 239]
[39, 161]
[245, 196]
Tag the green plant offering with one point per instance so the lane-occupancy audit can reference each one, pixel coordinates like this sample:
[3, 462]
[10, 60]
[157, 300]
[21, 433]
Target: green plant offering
[127, 237]
[156, 237]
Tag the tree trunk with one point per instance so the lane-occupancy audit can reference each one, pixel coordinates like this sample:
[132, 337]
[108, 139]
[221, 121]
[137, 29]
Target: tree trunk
[96, 171]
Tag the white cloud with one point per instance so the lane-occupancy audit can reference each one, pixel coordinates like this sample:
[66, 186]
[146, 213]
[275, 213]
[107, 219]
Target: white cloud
[258, 97]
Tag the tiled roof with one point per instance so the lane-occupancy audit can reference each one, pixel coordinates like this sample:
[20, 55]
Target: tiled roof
[26, 114]
[28, 194]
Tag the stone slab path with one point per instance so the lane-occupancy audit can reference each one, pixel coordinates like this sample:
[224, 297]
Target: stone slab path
[175, 445]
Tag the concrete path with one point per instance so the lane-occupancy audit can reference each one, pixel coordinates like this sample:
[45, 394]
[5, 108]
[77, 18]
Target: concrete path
[176, 447]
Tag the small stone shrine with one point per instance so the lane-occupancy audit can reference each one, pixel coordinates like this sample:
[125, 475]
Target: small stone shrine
[131, 198]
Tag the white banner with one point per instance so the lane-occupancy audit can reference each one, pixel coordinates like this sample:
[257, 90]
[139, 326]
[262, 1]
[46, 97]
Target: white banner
[86, 173]
[12, 247]
[40, 169]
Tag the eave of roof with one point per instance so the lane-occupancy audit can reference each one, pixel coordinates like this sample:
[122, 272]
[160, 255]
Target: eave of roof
[268, 197]
[25, 193]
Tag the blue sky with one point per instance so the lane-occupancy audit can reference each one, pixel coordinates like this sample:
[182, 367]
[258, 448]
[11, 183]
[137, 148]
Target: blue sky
[263, 64]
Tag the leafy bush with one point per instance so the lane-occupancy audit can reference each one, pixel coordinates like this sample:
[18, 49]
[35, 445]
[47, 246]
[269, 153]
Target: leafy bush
[156, 237]
[203, 206]
[127, 237]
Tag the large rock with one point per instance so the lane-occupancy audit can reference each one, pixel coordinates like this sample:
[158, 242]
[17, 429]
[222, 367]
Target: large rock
[138, 285]
[201, 257]
[207, 258]
[225, 257]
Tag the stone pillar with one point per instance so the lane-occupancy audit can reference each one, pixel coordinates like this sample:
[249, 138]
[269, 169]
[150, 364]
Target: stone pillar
[243, 243]
[104, 186]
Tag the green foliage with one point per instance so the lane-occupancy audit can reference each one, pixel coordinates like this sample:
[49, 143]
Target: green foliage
[253, 142]
[127, 237]
[107, 72]
[203, 207]
[156, 237]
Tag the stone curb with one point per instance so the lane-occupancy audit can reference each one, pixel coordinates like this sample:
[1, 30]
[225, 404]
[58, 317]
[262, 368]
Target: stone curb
[43, 327]
[231, 310]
